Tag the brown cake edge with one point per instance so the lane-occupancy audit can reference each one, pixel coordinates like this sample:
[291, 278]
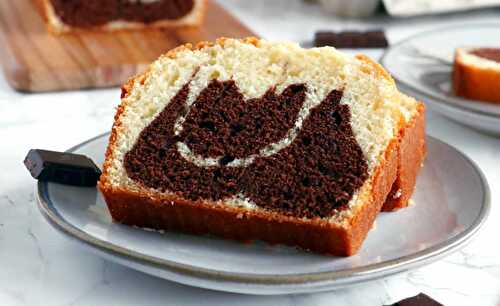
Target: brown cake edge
[170, 212]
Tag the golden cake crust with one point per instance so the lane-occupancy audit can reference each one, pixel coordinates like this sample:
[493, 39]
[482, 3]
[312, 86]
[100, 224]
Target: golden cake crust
[147, 209]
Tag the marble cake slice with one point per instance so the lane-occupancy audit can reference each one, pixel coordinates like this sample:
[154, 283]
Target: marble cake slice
[257, 140]
[68, 16]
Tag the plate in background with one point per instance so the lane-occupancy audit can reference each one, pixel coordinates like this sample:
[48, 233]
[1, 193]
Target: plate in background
[452, 202]
[422, 66]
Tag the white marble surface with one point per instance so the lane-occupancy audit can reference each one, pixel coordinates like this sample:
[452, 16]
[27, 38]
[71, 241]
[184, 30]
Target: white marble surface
[39, 267]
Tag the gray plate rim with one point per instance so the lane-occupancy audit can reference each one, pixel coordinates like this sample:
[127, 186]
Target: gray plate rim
[392, 48]
[345, 276]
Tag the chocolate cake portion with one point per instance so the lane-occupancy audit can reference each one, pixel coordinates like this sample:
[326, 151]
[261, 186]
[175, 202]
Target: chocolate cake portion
[492, 54]
[89, 13]
[231, 139]
[221, 122]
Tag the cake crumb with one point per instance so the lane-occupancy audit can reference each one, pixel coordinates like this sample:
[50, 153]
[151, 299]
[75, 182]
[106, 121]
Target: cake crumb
[148, 229]
[397, 194]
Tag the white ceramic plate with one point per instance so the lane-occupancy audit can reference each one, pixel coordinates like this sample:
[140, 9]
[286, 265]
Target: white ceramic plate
[422, 66]
[452, 202]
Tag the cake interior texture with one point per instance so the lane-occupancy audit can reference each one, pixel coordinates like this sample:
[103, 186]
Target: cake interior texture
[258, 126]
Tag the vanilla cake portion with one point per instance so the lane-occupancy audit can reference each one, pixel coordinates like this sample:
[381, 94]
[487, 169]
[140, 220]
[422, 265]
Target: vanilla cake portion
[66, 16]
[246, 132]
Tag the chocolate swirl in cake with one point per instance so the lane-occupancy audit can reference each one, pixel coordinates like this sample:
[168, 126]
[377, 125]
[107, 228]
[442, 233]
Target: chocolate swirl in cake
[316, 170]
[492, 54]
[88, 13]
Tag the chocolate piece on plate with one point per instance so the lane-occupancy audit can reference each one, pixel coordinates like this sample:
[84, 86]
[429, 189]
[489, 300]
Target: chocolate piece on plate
[351, 39]
[61, 167]
[417, 300]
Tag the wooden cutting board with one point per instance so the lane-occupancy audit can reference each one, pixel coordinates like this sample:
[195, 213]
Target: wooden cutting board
[34, 60]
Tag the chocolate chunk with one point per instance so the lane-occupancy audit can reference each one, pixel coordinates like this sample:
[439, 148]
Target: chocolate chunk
[351, 39]
[417, 300]
[226, 160]
[64, 168]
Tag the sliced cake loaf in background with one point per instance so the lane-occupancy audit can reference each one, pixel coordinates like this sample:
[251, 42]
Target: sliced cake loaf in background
[476, 74]
[250, 139]
[66, 16]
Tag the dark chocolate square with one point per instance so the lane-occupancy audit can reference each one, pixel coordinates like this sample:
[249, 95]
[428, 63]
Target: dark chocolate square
[417, 300]
[62, 167]
[351, 39]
